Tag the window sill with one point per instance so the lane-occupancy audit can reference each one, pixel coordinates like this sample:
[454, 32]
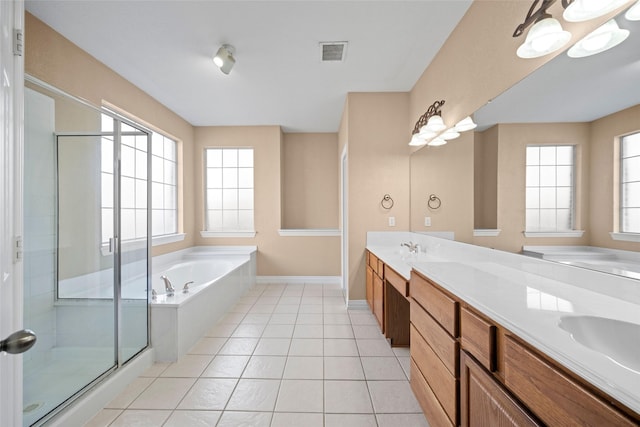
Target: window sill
[568, 233]
[486, 232]
[309, 232]
[625, 237]
[249, 234]
[132, 245]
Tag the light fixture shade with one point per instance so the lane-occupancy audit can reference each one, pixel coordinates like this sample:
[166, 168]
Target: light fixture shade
[224, 58]
[417, 141]
[435, 142]
[435, 124]
[583, 10]
[449, 134]
[633, 14]
[544, 37]
[465, 124]
[603, 38]
[426, 133]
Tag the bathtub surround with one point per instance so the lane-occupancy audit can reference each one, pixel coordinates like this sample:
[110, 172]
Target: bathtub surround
[220, 275]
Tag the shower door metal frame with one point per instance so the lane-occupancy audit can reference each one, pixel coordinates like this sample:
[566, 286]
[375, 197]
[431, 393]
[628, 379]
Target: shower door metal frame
[117, 253]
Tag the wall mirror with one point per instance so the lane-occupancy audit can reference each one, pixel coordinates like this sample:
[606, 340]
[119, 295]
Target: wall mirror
[480, 177]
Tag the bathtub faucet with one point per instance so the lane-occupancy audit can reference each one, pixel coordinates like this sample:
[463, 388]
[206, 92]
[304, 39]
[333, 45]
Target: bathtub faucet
[170, 290]
[185, 289]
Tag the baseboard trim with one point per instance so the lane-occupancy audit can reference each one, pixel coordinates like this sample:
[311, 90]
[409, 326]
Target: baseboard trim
[358, 304]
[299, 279]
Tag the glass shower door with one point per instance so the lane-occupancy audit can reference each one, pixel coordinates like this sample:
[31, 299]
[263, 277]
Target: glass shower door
[86, 247]
[68, 279]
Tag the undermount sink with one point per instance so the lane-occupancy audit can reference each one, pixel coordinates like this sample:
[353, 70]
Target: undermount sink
[618, 340]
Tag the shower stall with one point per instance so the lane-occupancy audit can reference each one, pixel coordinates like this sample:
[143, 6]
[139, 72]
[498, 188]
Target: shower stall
[86, 246]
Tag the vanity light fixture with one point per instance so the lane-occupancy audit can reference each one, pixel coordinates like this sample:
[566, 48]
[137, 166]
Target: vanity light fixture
[465, 124]
[435, 142]
[603, 38]
[633, 14]
[224, 58]
[428, 125]
[545, 36]
[583, 10]
[449, 134]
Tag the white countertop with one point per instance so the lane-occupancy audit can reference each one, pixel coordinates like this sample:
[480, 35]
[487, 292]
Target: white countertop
[529, 297]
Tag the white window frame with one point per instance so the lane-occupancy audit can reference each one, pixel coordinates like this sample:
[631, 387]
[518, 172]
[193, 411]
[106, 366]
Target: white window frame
[216, 186]
[552, 232]
[156, 239]
[622, 234]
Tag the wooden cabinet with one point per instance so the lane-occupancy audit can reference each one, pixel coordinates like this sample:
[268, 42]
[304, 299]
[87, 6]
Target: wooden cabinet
[551, 394]
[396, 308]
[434, 350]
[484, 402]
[375, 288]
[468, 370]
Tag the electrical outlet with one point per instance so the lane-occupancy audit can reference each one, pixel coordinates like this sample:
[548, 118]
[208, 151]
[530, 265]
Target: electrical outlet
[392, 221]
[427, 221]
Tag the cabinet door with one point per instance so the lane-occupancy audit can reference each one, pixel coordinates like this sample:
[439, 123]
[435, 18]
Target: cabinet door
[378, 295]
[370, 287]
[483, 402]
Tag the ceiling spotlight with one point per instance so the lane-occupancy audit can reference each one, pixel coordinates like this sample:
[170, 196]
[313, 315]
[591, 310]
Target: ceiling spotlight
[583, 10]
[603, 38]
[224, 58]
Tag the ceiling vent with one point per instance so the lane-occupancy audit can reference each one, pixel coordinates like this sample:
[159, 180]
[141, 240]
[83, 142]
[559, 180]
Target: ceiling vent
[333, 51]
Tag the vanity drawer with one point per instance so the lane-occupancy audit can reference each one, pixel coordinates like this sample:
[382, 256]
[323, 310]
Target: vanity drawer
[432, 409]
[552, 396]
[478, 337]
[439, 340]
[439, 305]
[443, 384]
[373, 262]
[397, 281]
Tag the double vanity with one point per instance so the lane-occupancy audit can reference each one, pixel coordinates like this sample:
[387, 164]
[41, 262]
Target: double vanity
[504, 339]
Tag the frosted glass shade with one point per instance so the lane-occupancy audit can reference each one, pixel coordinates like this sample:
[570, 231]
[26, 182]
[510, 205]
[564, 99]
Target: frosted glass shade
[417, 141]
[584, 10]
[465, 124]
[544, 37]
[449, 134]
[435, 124]
[603, 38]
[436, 142]
[633, 14]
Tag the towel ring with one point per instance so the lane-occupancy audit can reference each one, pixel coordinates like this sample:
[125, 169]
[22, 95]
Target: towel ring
[434, 202]
[387, 202]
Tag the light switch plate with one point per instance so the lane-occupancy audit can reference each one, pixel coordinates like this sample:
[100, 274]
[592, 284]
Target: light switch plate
[427, 221]
[392, 221]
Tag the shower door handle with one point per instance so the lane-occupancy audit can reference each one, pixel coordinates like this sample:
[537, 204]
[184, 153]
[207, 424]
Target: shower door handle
[113, 241]
[18, 342]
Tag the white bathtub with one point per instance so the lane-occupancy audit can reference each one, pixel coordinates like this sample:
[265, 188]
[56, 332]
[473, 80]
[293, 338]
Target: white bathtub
[613, 261]
[220, 275]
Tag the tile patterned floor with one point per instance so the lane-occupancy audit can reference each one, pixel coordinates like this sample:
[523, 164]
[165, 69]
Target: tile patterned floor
[284, 356]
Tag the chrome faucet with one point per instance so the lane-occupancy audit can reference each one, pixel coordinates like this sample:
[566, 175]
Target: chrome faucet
[170, 290]
[185, 289]
[414, 248]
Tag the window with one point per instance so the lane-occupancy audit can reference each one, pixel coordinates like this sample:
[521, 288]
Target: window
[630, 184]
[133, 182]
[550, 188]
[229, 189]
[164, 193]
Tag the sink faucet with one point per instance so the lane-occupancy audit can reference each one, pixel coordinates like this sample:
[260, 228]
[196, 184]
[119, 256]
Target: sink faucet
[414, 248]
[170, 290]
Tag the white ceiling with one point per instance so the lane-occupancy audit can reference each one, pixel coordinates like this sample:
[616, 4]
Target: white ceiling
[165, 47]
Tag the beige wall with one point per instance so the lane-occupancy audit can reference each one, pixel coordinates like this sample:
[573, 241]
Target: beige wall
[310, 177]
[55, 60]
[604, 176]
[378, 165]
[277, 255]
[447, 172]
[486, 178]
